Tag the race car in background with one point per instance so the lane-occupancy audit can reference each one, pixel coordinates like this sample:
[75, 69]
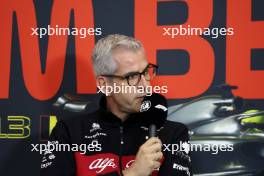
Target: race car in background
[222, 120]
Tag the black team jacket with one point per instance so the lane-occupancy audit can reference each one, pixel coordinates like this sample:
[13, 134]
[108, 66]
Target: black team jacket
[99, 143]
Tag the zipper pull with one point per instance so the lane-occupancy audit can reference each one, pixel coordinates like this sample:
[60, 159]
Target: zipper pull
[121, 133]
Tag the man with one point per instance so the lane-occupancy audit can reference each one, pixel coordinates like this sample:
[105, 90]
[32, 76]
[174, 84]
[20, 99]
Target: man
[115, 134]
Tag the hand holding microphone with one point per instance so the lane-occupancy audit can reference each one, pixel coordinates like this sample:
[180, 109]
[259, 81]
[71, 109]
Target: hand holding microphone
[149, 155]
[147, 159]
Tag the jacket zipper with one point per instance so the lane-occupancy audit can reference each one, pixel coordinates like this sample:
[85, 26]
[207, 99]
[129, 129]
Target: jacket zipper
[121, 149]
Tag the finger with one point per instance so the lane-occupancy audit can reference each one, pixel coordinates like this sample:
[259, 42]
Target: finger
[156, 164]
[155, 148]
[153, 140]
[157, 156]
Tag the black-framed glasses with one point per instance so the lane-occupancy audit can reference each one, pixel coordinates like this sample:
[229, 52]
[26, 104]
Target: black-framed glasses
[133, 78]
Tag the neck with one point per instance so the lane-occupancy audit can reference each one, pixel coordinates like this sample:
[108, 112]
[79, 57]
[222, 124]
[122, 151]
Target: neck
[115, 109]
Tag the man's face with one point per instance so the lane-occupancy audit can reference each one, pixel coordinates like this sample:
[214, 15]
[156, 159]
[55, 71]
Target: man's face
[129, 62]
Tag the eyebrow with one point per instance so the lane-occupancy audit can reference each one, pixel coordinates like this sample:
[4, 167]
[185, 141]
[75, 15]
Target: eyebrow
[135, 72]
[131, 73]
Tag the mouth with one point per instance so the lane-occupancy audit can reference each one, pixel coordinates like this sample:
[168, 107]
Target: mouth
[141, 96]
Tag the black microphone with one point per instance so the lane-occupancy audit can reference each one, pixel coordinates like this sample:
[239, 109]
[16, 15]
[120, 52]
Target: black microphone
[152, 130]
[154, 111]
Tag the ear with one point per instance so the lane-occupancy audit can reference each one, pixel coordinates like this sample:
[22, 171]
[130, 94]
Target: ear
[100, 81]
[102, 85]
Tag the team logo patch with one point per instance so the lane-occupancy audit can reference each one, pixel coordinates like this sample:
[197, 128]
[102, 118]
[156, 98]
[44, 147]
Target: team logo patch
[145, 106]
[95, 127]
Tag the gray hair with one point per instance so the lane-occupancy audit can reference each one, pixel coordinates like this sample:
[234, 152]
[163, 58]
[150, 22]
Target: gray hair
[103, 61]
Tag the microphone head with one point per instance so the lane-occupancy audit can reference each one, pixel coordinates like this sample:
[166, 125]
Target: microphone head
[154, 108]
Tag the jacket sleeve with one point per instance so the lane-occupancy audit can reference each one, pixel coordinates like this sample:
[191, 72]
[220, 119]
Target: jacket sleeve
[53, 161]
[176, 150]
